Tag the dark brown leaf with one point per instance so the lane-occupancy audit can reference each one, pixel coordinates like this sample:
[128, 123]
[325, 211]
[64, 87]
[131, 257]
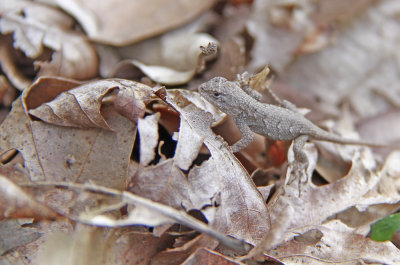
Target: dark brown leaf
[206, 256]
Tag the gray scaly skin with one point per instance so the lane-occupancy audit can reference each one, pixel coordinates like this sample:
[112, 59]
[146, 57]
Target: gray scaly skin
[274, 122]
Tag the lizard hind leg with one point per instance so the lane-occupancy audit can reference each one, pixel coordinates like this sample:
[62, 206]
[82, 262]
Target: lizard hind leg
[299, 165]
[298, 145]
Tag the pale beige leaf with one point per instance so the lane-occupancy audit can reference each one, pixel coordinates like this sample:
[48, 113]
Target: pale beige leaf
[380, 201]
[86, 245]
[173, 58]
[188, 146]
[124, 22]
[200, 102]
[148, 133]
[138, 215]
[335, 243]
[164, 75]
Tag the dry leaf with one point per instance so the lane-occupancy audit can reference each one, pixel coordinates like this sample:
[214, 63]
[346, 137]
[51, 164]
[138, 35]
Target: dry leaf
[7, 94]
[383, 128]
[9, 68]
[36, 26]
[124, 22]
[206, 256]
[179, 254]
[137, 248]
[181, 195]
[238, 198]
[62, 153]
[142, 211]
[15, 203]
[134, 248]
[366, 51]
[167, 184]
[14, 235]
[86, 245]
[173, 58]
[164, 183]
[324, 249]
[275, 44]
[85, 103]
[200, 102]
[185, 154]
[315, 205]
[148, 133]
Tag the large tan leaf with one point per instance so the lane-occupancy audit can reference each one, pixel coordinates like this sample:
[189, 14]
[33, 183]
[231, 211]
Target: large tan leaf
[53, 152]
[36, 26]
[14, 235]
[123, 22]
[313, 204]
[240, 209]
[299, 203]
[219, 187]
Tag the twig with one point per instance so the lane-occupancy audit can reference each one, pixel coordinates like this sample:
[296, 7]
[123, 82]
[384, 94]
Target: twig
[180, 217]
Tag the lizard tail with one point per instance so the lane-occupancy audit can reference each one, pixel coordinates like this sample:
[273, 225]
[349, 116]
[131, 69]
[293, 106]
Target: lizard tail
[330, 137]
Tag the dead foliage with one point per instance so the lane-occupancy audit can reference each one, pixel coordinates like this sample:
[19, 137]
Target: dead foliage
[109, 155]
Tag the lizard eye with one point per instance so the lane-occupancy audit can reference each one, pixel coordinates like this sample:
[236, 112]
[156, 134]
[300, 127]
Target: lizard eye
[216, 94]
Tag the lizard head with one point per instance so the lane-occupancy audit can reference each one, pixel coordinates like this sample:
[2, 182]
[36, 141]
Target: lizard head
[222, 93]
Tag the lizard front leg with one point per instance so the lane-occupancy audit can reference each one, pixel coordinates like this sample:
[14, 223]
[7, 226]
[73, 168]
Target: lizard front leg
[247, 136]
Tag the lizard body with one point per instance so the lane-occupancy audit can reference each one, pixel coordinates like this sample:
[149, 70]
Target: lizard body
[274, 122]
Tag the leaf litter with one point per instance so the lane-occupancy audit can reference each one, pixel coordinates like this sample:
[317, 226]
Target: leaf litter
[124, 171]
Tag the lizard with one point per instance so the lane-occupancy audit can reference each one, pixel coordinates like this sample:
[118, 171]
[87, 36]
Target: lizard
[274, 122]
